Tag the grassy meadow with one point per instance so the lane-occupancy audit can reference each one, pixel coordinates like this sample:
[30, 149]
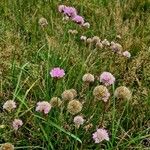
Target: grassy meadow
[28, 52]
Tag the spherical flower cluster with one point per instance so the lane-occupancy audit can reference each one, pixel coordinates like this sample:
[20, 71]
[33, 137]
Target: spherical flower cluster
[89, 41]
[83, 38]
[7, 146]
[43, 22]
[107, 78]
[116, 47]
[70, 11]
[78, 120]
[74, 107]
[55, 102]
[101, 92]
[105, 42]
[123, 92]
[43, 107]
[126, 54]
[100, 135]
[99, 45]
[17, 123]
[86, 24]
[57, 73]
[78, 19]
[95, 39]
[9, 105]
[88, 78]
[69, 94]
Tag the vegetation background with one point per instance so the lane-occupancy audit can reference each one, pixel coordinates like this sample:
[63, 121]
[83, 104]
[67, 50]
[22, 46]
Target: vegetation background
[27, 53]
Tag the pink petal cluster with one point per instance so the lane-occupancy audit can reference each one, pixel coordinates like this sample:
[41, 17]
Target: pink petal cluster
[17, 123]
[9, 105]
[126, 54]
[78, 19]
[43, 107]
[57, 73]
[107, 78]
[106, 97]
[78, 120]
[71, 12]
[100, 135]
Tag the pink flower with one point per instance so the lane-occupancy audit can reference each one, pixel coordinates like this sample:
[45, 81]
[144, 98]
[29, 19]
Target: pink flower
[17, 123]
[61, 8]
[78, 120]
[106, 97]
[70, 11]
[57, 73]
[43, 107]
[9, 105]
[100, 135]
[78, 19]
[107, 78]
[126, 54]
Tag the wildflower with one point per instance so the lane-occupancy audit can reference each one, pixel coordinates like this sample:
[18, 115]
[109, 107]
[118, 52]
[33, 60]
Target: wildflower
[123, 92]
[95, 39]
[101, 92]
[99, 45]
[78, 120]
[43, 107]
[86, 24]
[74, 92]
[17, 123]
[83, 38]
[57, 73]
[67, 95]
[61, 8]
[55, 102]
[74, 107]
[7, 146]
[43, 22]
[107, 78]
[89, 41]
[88, 78]
[9, 105]
[118, 36]
[78, 19]
[126, 54]
[70, 11]
[100, 135]
[105, 42]
[116, 47]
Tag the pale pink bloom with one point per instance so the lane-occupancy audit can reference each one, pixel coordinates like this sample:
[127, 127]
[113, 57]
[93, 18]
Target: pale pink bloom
[43, 107]
[9, 105]
[57, 73]
[70, 11]
[116, 47]
[126, 54]
[61, 8]
[78, 120]
[78, 19]
[17, 123]
[107, 78]
[100, 135]
[106, 97]
[86, 24]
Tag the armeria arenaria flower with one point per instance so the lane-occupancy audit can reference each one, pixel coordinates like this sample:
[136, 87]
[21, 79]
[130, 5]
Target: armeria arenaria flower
[107, 78]
[83, 38]
[67, 95]
[74, 92]
[123, 92]
[57, 73]
[126, 54]
[44, 107]
[70, 11]
[7, 146]
[9, 105]
[78, 19]
[78, 120]
[89, 41]
[116, 47]
[95, 39]
[101, 93]
[100, 135]
[99, 45]
[43, 22]
[88, 78]
[105, 42]
[61, 8]
[55, 102]
[17, 123]
[74, 107]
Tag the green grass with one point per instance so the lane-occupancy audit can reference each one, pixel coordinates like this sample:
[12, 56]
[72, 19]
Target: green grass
[28, 53]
